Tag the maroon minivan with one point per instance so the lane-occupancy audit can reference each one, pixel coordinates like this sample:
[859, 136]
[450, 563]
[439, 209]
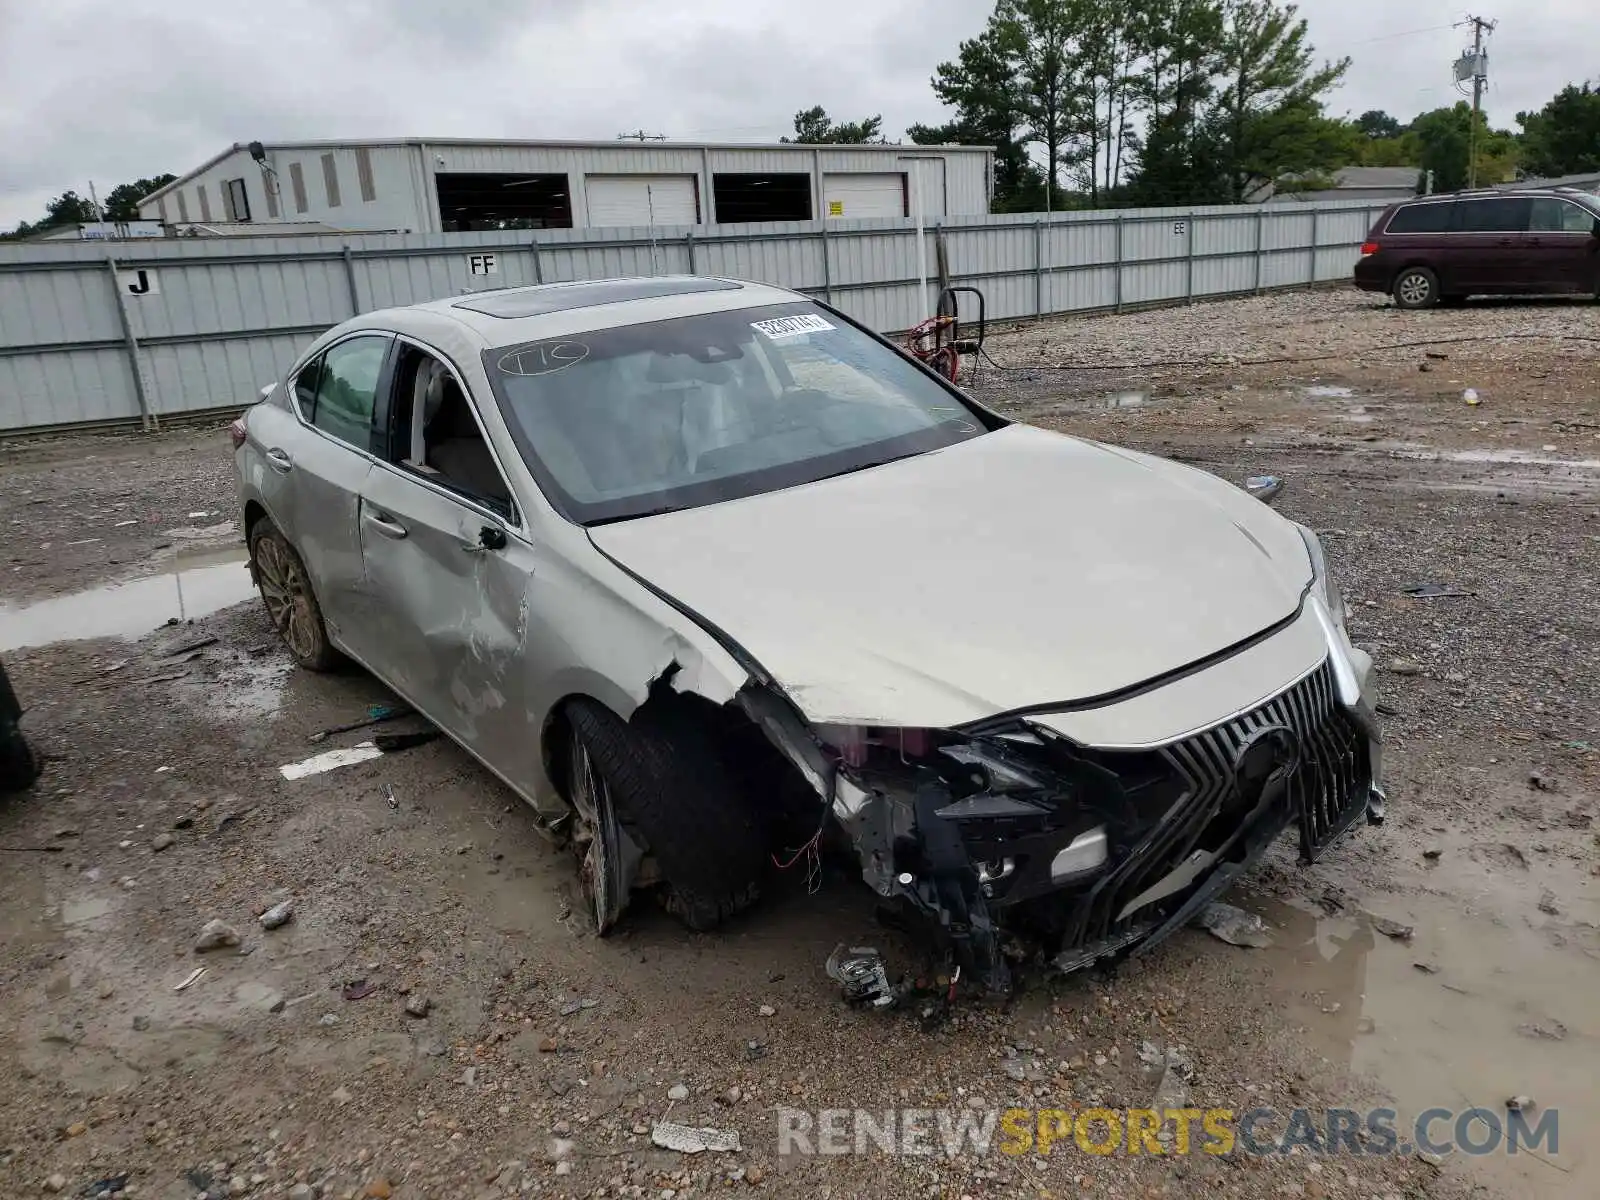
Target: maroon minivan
[1444, 248]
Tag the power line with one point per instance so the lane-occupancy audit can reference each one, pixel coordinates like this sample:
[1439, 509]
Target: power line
[1385, 37]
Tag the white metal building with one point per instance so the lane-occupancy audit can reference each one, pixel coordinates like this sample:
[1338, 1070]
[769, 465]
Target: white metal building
[446, 185]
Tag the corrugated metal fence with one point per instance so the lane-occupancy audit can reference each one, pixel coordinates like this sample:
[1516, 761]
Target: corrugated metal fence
[189, 325]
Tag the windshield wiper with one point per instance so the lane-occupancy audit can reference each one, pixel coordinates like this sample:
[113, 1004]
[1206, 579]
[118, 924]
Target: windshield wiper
[867, 466]
[634, 516]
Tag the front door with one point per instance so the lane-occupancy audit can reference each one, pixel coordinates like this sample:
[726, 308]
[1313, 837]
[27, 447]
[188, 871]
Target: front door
[447, 568]
[1563, 251]
[447, 583]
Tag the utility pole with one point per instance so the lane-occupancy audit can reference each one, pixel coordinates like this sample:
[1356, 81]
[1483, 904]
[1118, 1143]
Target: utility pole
[1475, 64]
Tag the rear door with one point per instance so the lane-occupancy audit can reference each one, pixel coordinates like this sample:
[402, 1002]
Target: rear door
[316, 465]
[1490, 244]
[448, 567]
[1562, 247]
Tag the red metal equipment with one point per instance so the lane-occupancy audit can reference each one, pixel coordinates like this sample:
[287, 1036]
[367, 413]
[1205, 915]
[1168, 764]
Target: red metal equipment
[941, 340]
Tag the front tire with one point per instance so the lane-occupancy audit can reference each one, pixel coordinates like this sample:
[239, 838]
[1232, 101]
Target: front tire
[1416, 287]
[286, 590]
[672, 797]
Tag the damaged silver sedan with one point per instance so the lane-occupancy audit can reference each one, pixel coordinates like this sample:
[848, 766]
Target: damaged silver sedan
[710, 575]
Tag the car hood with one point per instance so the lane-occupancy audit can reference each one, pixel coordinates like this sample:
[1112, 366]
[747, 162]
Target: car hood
[1017, 569]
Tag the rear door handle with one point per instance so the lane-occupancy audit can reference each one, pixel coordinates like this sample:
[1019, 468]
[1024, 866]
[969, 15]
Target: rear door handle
[278, 459]
[383, 523]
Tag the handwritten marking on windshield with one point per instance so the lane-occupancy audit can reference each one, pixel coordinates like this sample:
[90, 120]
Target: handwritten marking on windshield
[544, 358]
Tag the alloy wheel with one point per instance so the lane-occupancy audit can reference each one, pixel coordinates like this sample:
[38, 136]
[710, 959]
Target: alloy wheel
[596, 840]
[1414, 288]
[287, 595]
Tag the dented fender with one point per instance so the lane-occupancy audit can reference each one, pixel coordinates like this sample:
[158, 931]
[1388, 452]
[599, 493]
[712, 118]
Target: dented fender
[596, 631]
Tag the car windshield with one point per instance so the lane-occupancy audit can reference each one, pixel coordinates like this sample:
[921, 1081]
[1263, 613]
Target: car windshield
[642, 419]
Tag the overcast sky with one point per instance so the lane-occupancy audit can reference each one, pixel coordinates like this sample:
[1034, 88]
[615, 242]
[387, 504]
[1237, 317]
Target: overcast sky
[111, 91]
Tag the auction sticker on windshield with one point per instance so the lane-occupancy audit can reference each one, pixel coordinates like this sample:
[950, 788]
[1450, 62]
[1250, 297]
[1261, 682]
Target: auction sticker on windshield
[782, 327]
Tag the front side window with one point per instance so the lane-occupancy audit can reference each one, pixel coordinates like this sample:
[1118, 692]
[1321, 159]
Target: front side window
[1500, 214]
[1560, 216]
[641, 419]
[347, 389]
[435, 432]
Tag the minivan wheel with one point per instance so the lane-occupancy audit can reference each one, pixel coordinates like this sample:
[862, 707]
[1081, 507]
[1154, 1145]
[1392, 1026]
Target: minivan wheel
[291, 603]
[1416, 287]
[657, 786]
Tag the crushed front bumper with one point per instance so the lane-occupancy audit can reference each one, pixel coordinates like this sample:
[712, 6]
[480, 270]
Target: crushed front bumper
[1019, 843]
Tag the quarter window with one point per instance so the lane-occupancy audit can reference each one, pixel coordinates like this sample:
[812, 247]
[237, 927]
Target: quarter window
[305, 387]
[1422, 218]
[1559, 216]
[1501, 214]
[347, 389]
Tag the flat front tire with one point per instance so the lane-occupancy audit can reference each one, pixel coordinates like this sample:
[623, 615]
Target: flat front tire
[1416, 287]
[658, 786]
[291, 602]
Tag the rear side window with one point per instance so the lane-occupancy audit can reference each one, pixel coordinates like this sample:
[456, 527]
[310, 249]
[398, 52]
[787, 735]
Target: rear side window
[347, 391]
[1421, 218]
[1498, 214]
[1559, 216]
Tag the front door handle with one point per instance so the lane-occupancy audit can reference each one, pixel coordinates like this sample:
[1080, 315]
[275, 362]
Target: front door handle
[383, 523]
[278, 459]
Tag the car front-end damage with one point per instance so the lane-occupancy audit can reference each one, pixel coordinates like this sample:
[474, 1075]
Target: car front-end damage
[1011, 839]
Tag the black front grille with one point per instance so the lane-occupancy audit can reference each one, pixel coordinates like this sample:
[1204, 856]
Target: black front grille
[1327, 792]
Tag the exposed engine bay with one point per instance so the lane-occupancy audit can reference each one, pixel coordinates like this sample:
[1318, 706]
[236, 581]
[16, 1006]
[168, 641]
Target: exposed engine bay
[1009, 843]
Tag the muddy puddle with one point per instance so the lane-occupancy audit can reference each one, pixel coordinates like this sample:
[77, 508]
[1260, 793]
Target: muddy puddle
[1328, 391]
[1492, 997]
[194, 585]
[1129, 398]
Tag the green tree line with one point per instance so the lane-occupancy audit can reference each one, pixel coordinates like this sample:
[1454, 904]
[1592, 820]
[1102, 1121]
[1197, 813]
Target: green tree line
[69, 208]
[1090, 103]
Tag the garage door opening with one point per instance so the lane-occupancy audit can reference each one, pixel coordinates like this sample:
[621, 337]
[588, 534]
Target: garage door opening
[866, 195]
[615, 200]
[486, 201]
[742, 197]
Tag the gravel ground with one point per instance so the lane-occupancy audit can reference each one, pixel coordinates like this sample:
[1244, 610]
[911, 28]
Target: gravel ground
[545, 1054]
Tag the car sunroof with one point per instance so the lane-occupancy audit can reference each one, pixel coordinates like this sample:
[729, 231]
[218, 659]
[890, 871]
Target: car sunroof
[559, 297]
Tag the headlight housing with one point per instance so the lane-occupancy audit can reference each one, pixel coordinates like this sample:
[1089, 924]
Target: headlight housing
[1321, 582]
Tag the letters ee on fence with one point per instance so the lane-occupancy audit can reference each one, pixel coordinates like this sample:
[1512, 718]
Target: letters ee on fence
[96, 333]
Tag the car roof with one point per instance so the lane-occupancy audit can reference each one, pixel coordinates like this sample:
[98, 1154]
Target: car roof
[1562, 193]
[509, 316]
